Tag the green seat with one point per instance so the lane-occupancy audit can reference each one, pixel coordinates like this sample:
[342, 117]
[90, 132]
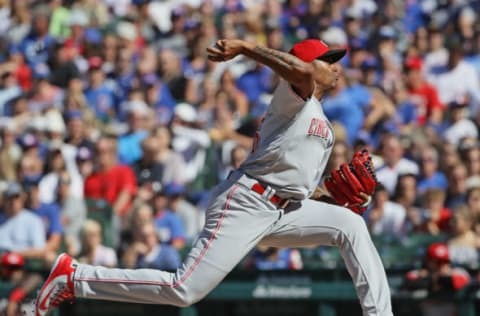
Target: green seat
[101, 211]
[6, 288]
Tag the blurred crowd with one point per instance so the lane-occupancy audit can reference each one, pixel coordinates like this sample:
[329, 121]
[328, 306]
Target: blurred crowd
[115, 127]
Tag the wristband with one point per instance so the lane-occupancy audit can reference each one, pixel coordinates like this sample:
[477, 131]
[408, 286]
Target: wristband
[17, 295]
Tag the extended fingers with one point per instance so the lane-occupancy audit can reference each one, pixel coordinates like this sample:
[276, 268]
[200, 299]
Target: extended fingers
[215, 58]
[214, 51]
[220, 44]
[214, 54]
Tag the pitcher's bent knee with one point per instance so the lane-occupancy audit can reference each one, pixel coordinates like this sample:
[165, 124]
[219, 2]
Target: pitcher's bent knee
[353, 225]
[186, 297]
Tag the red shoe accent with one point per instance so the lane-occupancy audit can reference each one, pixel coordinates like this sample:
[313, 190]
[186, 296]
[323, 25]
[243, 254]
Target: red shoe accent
[58, 286]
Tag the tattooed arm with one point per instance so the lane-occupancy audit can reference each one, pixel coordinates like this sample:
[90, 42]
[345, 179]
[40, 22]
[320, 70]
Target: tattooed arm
[289, 67]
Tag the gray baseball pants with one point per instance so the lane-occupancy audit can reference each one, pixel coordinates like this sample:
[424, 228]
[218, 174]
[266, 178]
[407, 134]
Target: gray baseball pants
[237, 220]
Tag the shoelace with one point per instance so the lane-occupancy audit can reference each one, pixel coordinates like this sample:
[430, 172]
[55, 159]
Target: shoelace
[62, 294]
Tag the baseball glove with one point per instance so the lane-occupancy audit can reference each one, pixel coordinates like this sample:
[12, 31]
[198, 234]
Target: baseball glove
[346, 184]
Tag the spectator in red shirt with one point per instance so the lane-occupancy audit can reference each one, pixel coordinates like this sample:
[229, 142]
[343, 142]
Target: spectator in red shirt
[111, 181]
[429, 107]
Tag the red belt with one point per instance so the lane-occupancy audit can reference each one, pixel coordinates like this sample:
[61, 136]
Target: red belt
[275, 199]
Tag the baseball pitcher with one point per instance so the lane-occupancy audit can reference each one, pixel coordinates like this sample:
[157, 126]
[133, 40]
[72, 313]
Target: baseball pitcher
[267, 200]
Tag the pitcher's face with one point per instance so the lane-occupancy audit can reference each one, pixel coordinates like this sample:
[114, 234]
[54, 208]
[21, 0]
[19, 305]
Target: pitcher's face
[326, 75]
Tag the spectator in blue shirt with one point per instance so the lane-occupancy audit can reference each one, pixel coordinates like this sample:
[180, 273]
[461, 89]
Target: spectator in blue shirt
[147, 252]
[48, 213]
[124, 75]
[37, 44]
[100, 97]
[339, 106]
[276, 259]
[255, 82]
[169, 225]
[160, 98]
[129, 149]
[430, 176]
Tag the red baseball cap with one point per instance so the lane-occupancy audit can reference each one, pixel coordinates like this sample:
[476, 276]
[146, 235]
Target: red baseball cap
[311, 49]
[438, 252]
[12, 260]
[413, 63]
[95, 62]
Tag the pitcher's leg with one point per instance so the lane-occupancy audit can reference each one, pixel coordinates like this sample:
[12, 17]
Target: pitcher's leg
[235, 223]
[317, 223]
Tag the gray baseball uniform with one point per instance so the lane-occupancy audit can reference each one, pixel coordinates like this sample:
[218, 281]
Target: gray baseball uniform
[291, 151]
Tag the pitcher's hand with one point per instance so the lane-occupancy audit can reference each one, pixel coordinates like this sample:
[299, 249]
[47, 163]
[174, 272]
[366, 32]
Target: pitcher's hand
[225, 49]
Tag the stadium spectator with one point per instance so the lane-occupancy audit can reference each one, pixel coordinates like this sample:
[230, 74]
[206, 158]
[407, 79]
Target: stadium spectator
[457, 188]
[459, 79]
[385, 217]
[460, 126]
[12, 270]
[124, 71]
[21, 23]
[172, 162]
[14, 218]
[238, 154]
[76, 130]
[147, 169]
[142, 213]
[49, 213]
[473, 201]
[173, 76]
[236, 98]
[99, 96]
[462, 245]
[437, 56]
[36, 45]
[228, 129]
[436, 217]
[10, 88]
[395, 164]
[55, 164]
[139, 115]
[470, 153]
[63, 64]
[189, 140]
[450, 157]
[111, 181]
[92, 250]
[439, 279]
[340, 107]
[73, 212]
[406, 195]
[77, 20]
[192, 220]
[340, 154]
[255, 81]
[429, 109]
[147, 252]
[270, 258]
[9, 153]
[430, 176]
[84, 162]
[169, 225]
[45, 95]
[31, 147]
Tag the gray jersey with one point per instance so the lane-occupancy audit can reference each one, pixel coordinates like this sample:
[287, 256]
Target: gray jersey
[293, 145]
